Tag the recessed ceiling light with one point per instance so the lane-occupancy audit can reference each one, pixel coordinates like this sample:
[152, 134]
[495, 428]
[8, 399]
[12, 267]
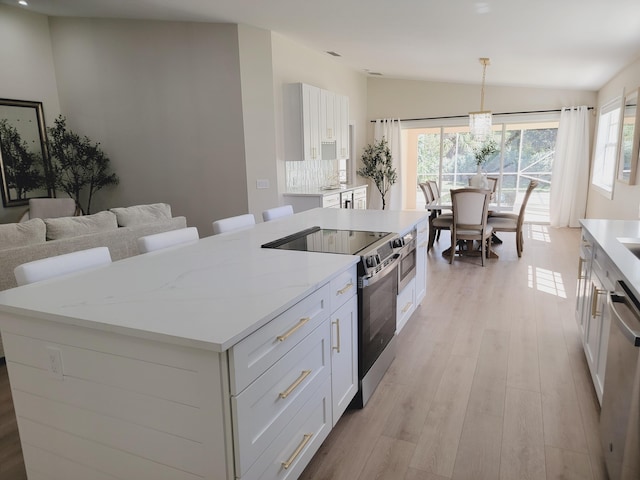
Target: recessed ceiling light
[23, 3]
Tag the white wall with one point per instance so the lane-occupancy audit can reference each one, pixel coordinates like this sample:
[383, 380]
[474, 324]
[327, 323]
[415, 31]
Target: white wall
[626, 198]
[26, 70]
[258, 117]
[164, 101]
[293, 63]
[414, 99]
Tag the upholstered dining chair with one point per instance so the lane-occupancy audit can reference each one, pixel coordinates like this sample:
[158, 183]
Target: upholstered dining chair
[230, 224]
[159, 241]
[470, 207]
[512, 222]
[50, 267]
[426, 191]
[277, 212]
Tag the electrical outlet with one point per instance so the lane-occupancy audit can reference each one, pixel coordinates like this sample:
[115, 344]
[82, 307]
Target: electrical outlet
[54, 357]
[263, 183]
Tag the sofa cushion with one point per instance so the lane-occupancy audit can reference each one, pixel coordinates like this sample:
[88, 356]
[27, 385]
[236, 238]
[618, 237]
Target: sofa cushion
[142, 214]
[30, 232]
[66, 227]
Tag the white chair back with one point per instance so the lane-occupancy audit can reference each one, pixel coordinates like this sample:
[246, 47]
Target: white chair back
[233, 223]
[277, 212]
[158, 241]
[38, 270]
[470, 206]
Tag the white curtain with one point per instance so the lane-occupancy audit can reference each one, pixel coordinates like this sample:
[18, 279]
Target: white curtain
[568, 199]
[391, 130]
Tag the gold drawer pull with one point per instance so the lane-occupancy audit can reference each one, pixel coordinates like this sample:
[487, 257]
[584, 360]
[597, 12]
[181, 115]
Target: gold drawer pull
[292, 458]
[594, 300]
[294, 329]
[580, 262]
[407, 307]
[346, 288]
[294, 385]
[337, 324]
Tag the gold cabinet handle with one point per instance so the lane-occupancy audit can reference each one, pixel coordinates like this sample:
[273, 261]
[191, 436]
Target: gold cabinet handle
[294, 455]
[580, 263]
[407, 307]
[594, 300]
[346, 288]
[294, 385]
[337, 324]
[282, 338]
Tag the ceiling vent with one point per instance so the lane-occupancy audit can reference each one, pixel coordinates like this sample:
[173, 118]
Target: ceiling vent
[334, 54]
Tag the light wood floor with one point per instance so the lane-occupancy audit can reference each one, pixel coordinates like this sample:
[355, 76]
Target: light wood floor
[490, 381]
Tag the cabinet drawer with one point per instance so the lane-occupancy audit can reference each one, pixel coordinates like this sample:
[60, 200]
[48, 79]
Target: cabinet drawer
[343, 287]
[298, 441]
[262, 410]
[605, 270]
[406, 304]
[252, 356]
[331, 201]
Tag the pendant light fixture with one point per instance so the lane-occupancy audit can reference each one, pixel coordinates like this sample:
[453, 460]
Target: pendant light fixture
[480, 122]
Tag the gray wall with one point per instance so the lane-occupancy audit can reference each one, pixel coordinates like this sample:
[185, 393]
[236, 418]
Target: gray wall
[26, 71]
[164, 100]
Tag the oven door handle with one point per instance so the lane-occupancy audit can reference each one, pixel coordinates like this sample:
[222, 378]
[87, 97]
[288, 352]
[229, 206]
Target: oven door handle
[391, 267]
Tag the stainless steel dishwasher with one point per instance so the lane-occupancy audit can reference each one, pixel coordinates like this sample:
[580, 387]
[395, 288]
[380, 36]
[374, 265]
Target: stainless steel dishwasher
[620, 414]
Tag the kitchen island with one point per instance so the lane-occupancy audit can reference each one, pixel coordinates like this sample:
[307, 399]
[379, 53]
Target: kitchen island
[159, 366]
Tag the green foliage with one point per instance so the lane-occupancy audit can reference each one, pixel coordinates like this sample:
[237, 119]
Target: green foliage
[484, 150]
[378, 167]
[23, 168]
[78, 167]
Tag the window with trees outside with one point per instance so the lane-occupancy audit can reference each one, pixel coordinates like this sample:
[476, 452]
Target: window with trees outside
[526, 152]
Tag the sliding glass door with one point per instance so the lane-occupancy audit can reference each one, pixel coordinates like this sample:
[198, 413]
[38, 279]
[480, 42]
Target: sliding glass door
[445, 154]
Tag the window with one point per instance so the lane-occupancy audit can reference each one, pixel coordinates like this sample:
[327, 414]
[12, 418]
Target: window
[444, 154]
[605, 154]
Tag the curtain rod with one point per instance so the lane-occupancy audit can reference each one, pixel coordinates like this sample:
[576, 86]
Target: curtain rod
[465, 116]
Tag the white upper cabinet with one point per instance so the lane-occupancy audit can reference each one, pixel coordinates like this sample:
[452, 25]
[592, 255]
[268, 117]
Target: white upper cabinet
[302, 122]
[342, 126]
[316, 123]
[327, 116]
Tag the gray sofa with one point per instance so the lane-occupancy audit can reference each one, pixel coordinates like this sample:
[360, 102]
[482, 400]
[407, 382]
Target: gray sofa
[118, 229]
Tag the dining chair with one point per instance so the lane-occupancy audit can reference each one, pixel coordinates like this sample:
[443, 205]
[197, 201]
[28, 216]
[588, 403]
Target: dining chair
[435, 190]
[277, 212]
[230, 224]
[470, 207]
[50, 267]
[512, 222]
[159, 241]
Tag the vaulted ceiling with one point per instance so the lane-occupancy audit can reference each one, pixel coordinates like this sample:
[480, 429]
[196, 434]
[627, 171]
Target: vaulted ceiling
[574, 44]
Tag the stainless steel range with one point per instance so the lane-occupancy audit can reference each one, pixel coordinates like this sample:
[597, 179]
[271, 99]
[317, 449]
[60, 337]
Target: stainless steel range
[377, 292]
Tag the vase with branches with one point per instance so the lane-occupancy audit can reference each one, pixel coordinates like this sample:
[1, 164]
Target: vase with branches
[378, 166]
[79, 167]
[482, 152]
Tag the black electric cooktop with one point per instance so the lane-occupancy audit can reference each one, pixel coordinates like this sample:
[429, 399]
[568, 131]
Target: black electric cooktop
[316, 239]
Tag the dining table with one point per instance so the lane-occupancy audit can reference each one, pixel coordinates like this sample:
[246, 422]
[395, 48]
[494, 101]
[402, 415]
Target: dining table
[444, 202]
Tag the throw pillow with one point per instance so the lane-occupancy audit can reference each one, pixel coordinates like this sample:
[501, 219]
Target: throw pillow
[66, 227]
[142, 214]
[30, 232]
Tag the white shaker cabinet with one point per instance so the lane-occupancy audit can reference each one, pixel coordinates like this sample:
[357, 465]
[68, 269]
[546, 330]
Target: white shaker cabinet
[421, 260]
[327, 116]
[342, 126]
[360, 198]
[302, 105]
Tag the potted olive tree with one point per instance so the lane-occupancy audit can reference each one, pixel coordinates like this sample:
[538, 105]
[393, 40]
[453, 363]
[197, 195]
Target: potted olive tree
[377, 166]
[78, 166]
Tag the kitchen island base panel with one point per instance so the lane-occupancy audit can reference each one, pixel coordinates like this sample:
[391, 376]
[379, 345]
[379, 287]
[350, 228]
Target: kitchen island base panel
[122, 406]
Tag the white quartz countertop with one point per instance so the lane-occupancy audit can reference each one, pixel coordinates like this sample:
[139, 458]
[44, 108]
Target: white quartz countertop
[607, 234]
[320, 191]
[209, 294]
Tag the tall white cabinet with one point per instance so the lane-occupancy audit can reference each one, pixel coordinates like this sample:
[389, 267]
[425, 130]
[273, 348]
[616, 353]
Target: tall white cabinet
[316, 123]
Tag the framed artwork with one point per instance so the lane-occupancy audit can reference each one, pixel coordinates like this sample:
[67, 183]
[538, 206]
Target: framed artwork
[24, 159]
